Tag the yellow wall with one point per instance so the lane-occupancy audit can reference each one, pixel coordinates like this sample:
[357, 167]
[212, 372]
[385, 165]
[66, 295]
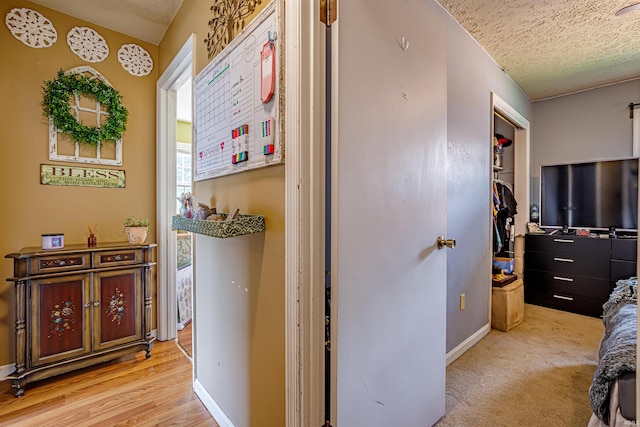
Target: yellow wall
[29, 209]
[259, 192]
[183, 132]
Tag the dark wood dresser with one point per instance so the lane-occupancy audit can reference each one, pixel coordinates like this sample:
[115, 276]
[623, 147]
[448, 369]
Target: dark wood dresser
[78, 306]
[575, 273]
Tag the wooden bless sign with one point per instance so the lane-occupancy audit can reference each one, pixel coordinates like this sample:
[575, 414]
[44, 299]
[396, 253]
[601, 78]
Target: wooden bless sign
[84, 177]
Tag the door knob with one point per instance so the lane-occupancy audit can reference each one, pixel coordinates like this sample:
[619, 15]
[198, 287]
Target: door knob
[449, 243]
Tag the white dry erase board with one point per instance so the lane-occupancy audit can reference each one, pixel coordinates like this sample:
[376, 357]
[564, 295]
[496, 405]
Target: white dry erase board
[233, 129]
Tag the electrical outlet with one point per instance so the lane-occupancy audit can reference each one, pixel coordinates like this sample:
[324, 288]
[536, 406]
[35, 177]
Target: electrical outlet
[462, 301]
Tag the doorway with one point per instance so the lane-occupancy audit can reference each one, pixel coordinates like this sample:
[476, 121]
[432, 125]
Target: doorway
[514, 171]
[184, 241]
[179, 71]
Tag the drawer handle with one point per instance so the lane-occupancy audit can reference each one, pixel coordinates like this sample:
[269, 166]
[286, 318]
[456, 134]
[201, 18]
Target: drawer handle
[563, 240]
[564, 298]
[87, 305]
[564, 279]
[96, 304]
[563, 259]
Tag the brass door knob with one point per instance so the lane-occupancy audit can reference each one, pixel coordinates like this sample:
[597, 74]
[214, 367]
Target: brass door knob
[449, 243]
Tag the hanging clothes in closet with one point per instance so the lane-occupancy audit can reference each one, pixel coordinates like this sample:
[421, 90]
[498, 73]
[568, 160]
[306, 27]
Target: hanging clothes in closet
[504, 209]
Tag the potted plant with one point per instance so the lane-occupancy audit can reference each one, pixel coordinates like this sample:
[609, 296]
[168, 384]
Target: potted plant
[136, 229]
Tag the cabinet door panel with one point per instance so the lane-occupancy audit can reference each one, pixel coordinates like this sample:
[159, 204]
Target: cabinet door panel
[622, 270]
[59, 316]
[118, 319]
[624, 249]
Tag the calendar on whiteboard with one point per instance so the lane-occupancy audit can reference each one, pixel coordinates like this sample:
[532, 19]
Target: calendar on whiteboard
[237, 124]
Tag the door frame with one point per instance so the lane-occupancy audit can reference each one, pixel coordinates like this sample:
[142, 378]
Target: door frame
[521, 167]
[304, 213]
[180, 69]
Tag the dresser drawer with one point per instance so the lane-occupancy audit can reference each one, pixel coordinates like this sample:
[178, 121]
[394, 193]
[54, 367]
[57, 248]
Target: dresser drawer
[119, 257]
[573, 303]
[567, 284]
[568, 245]
[60, 262]
[568, 264]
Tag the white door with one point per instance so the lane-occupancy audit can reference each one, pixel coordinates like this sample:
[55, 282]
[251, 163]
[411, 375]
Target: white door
[389, 277]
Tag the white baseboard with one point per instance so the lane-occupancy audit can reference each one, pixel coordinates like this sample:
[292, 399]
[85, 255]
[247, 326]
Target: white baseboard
[211, 405]
[6, 370]
[468, 343]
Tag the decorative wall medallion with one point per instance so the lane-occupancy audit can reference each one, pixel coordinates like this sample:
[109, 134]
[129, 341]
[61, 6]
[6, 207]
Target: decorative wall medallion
[135, 59]
[115, 309]
[87, 44]
[62, 318]
[31, 28]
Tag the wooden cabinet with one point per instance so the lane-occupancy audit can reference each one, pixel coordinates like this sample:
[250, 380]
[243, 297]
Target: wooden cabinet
[574, 273]
[79, 306]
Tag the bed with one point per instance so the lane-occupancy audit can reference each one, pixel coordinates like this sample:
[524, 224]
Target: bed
[612, 391]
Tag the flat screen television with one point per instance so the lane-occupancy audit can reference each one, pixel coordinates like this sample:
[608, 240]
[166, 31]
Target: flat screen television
[595, 195]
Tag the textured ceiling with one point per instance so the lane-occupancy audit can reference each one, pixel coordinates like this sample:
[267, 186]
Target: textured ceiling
[145, 20]
[555, 47]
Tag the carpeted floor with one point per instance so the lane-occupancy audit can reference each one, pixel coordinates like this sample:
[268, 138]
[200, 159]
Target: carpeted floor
[537, 374]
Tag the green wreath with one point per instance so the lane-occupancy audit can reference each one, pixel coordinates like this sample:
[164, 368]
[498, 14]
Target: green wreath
[56, 105]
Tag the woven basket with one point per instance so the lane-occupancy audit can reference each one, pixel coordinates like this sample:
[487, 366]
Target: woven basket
[243, 224]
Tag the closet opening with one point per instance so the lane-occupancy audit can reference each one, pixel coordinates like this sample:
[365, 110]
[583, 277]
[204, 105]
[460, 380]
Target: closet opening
[504, 203]
[510, 212]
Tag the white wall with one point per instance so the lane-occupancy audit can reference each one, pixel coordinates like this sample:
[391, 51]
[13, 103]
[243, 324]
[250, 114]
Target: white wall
[236, 360]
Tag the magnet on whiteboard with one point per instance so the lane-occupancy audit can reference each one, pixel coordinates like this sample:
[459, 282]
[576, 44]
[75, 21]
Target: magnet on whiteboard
[267, 71]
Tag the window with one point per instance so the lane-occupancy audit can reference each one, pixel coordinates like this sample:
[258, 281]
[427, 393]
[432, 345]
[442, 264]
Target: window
[183, 171]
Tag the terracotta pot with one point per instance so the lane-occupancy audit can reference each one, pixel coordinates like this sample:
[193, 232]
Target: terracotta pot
[136, 235]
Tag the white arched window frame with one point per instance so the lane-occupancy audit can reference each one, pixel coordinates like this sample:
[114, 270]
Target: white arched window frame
[77, 108]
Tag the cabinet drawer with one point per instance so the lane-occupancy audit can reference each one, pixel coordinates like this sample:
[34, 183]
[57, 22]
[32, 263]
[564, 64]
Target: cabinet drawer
[567, 284]
[56, 263]
[119, 257]
[568, 245]
[568, 264]
[624, 249]
[573, 303]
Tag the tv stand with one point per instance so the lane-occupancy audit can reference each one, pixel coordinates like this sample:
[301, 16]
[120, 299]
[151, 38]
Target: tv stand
[575, 273]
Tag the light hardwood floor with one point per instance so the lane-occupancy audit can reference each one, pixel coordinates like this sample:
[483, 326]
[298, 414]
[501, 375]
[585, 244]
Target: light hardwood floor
[185, 339]
[129, 391]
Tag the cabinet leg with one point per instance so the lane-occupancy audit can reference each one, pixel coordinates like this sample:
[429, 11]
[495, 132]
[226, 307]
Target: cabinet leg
[149, 348]
[19, 386]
